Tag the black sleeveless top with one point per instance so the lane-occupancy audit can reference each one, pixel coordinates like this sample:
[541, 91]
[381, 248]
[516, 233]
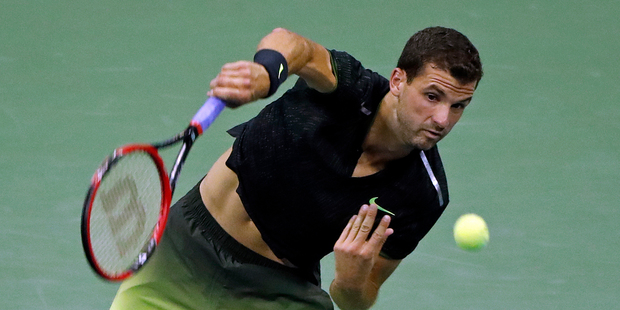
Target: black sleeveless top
[295, 159]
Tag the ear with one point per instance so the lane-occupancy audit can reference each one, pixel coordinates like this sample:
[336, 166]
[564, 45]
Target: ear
[397, 80]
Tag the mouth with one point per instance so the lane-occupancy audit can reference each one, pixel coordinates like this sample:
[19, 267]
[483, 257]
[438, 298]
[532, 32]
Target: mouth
[434, 134]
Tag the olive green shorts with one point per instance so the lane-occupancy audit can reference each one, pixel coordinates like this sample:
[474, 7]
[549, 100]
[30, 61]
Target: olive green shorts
[197, 265]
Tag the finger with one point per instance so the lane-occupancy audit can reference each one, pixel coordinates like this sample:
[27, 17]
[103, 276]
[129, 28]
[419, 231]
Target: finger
[357, 224]
[380, 235]
[367, 223]
[232, 73]
[346, 230]
[231, 89]
[231, 80]
[232, 96]
[234, 66]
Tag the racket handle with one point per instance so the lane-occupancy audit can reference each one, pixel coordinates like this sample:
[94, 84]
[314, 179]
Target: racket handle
[207, 114]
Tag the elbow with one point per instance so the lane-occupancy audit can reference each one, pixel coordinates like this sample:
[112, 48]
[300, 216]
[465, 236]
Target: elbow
[280, 33]
[279, 39]
[280, 30]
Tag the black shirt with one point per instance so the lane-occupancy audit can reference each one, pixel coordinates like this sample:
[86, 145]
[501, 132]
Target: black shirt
[295, 159]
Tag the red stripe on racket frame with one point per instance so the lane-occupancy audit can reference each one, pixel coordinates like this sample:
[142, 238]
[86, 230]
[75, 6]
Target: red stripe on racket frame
[166, 195]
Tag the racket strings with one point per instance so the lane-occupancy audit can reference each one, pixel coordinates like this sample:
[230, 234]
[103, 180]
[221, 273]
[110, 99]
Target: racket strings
[125, 211]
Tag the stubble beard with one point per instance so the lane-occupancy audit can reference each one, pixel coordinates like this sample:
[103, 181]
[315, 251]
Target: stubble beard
[412, 135]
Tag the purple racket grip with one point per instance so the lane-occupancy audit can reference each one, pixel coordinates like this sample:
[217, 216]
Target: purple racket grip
[207, 114]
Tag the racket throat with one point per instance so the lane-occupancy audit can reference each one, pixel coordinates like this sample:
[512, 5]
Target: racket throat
[190, 135]
[145, 253]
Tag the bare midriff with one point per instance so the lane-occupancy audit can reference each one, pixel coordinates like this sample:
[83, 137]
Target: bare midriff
[219, 194]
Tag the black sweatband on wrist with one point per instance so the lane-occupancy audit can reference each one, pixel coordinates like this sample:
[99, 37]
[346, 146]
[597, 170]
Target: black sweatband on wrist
[276, 66]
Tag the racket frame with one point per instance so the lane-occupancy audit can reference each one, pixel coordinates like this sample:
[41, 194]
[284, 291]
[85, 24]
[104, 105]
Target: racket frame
[166, 194]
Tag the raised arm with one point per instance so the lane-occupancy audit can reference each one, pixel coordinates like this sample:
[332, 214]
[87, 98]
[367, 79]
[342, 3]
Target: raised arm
[245, 81]
[305, 58]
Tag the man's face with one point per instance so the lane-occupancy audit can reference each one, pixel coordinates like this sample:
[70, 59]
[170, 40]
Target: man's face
[429, 106]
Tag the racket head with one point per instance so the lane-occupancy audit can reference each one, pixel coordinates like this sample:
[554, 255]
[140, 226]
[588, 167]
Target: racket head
[125, 211]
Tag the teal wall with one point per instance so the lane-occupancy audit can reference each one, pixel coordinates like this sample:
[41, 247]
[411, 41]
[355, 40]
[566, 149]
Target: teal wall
[536, 154]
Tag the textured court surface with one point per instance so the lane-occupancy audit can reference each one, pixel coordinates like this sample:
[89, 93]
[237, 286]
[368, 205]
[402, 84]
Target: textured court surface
[537, 153]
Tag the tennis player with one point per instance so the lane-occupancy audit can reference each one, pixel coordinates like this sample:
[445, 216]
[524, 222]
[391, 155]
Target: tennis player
[297, 182]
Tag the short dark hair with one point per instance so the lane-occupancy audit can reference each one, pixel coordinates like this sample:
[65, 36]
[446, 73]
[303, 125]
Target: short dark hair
[447, 48]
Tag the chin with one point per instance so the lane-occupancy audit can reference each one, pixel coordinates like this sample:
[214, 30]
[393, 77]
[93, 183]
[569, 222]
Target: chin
[424, 146]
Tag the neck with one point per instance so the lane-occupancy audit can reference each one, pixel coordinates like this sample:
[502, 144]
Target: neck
[381, 143]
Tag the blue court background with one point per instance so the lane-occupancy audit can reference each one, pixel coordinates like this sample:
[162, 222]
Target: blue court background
[536, 154]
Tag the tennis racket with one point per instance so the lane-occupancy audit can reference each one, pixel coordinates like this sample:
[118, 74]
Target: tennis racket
[126, 206]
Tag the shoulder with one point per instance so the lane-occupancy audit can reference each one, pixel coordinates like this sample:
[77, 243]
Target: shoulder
[350, 73]
[357, 86]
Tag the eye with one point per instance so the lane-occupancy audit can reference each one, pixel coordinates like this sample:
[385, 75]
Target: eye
[459, 106]
[432, 97]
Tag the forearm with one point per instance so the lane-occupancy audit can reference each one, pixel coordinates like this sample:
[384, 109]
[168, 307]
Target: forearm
[354, 298]
[305, 58]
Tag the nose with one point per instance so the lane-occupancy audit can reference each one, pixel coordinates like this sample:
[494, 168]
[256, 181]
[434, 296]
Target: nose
[441, 117]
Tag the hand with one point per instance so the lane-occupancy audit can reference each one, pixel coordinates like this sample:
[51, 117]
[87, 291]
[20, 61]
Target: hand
[240, 82]
[356, 253]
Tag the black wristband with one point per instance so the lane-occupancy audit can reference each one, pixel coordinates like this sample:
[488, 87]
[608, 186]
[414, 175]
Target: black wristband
[276, 66]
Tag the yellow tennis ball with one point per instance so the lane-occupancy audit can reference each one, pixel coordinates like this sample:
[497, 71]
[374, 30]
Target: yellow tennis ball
[471, 232]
